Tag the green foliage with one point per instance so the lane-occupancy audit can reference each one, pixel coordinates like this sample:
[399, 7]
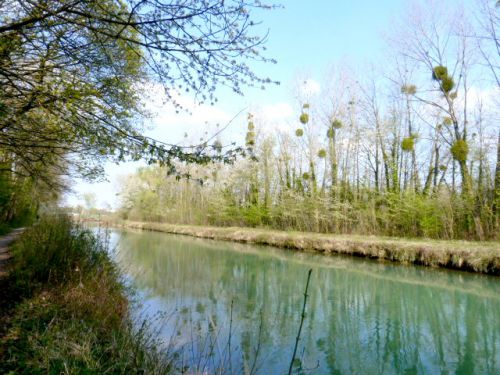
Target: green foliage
[330, 133]
[408, 144]
[439, 72]
[56, 251]
[250, 138]
[47, 334]
[447, 84]
[299, 132]
[4, 229]
[336, 124]
[415, 214]
[85, 79]
[6, 190]
[254, 215]
[459, 150]
[322, 153]
[237, 199]
[304, 118]
[19, 199]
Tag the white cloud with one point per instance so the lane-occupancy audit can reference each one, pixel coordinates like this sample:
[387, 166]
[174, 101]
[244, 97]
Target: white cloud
[169, 123]
[105, 191]
[277, 111]
[310, 87]
[488, 97]
[272, 117]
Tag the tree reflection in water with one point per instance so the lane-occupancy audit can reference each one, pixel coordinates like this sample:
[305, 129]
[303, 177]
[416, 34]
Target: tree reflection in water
[362, 316]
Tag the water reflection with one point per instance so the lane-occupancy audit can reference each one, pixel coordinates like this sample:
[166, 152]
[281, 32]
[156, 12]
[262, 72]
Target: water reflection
[362, 316]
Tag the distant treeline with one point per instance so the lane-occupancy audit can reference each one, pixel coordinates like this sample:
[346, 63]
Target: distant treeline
[408, 149]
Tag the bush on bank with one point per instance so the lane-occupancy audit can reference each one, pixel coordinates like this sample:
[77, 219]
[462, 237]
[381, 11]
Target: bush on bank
[64, 308]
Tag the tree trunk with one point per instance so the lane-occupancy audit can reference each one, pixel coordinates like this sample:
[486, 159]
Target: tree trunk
[496, 193]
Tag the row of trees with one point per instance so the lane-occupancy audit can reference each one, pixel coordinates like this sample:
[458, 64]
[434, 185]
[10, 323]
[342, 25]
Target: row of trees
[74, 75]
[414, 153]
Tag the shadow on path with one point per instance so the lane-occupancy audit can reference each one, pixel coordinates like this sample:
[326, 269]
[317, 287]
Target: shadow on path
[5, 242]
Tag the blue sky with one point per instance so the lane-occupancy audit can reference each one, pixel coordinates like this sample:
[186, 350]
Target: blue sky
[305, 37]
[309, 36]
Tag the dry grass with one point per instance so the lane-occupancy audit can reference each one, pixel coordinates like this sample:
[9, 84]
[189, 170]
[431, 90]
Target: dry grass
[482, 257]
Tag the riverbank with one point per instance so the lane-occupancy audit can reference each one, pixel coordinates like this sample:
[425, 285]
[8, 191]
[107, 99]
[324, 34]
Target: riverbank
[64, 309]
[481, 257]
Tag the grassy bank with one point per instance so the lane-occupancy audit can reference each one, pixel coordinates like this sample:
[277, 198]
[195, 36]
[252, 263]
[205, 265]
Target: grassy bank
[63, 308]
[482, 257]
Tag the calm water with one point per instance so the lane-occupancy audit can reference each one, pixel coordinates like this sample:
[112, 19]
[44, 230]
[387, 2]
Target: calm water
[363, 317]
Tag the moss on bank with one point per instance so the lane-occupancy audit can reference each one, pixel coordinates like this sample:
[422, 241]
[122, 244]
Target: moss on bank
[63, 308]
[481, 257]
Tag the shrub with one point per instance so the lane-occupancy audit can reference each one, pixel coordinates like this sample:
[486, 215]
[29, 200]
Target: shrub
[254, 215]
[55, 250]
[73, 318]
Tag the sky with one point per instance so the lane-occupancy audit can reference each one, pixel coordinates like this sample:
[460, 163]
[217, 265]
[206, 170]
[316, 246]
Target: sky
[306, 38]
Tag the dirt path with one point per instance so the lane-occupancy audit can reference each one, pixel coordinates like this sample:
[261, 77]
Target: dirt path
[5, 241]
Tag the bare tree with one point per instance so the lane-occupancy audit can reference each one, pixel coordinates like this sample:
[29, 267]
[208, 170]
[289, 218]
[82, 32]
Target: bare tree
[488, 36]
